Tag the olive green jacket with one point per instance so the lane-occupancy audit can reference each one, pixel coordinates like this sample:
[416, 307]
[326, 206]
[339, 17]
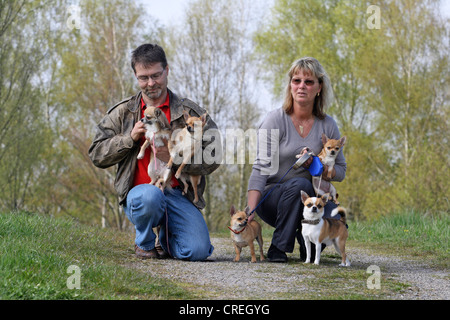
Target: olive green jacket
[113, 144]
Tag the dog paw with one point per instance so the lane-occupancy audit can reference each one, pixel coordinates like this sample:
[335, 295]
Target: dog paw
[347, 264]
[140, 156]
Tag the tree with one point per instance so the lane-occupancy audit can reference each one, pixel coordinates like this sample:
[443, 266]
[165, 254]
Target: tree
[211, 63]
[389, 84]
[93, 74]
[25, 34]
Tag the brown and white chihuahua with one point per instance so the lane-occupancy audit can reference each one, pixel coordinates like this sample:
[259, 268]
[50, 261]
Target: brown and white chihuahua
[158, 128]
[244, 233]
[330, 150]
[318, 230]
[185, 143]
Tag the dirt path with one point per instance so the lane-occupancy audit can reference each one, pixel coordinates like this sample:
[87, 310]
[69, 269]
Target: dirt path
[221, 278]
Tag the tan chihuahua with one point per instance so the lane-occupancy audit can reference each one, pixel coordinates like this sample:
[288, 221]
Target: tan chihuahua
[244, 233]
[331, 148]
[185, 144]
[158, 128]
[327, 156]
[318, 230]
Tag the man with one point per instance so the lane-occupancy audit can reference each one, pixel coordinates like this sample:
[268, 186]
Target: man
[183, 231]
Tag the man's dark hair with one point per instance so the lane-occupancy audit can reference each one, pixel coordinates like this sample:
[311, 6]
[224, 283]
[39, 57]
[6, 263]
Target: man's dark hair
[148, 54]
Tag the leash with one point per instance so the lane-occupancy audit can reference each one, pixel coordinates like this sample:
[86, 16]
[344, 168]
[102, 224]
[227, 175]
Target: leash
[167, 232]
[154, 153]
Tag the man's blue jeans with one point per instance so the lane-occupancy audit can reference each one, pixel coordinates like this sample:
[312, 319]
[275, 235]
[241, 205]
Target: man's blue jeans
[188, 235]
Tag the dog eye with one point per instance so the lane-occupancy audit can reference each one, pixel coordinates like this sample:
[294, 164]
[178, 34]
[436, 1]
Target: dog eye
[309, 205]
[319, 206]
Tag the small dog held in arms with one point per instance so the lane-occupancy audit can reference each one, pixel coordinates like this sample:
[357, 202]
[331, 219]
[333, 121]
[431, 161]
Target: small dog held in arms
[327, 156]
[318, 230]
[244, 233]
[185, 143]
[158, 128]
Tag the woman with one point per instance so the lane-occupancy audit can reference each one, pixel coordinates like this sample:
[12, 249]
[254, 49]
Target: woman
[285, 133]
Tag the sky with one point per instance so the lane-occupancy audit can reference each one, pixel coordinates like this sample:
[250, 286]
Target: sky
[168, 11]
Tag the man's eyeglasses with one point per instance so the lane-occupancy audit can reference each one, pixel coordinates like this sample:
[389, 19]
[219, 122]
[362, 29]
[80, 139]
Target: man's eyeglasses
[154, 77]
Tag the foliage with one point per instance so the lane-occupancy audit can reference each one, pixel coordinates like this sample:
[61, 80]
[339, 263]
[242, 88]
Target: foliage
[390, 86]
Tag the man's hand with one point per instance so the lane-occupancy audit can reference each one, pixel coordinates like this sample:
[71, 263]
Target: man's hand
[138, 131]
[162, 153]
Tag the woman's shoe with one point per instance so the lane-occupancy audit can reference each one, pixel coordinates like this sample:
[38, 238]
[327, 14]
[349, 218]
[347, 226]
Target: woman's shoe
[276, 255]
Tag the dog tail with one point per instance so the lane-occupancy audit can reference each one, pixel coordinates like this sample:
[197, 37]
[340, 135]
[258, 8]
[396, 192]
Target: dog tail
[342, 211]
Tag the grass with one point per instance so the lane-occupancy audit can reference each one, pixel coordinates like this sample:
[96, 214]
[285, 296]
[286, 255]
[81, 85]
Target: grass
[36, 251]
[408, 233]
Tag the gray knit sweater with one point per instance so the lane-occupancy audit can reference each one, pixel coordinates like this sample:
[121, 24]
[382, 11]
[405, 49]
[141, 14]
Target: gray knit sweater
[279, 142]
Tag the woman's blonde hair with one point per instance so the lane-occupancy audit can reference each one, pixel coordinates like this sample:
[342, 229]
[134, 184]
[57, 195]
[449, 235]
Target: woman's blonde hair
[313, 67]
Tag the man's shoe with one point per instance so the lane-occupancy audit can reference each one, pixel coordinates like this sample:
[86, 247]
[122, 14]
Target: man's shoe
[144, 254]
[276, 255]
[161, 253]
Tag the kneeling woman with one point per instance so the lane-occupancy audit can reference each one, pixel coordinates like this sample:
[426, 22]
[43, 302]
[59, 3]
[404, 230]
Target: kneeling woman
[283, 134]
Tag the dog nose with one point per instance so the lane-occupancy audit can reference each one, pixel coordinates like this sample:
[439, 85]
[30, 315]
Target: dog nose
[314, 209]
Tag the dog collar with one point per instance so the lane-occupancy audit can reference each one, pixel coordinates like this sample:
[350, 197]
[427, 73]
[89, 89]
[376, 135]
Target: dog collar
[237, 232]
[311, 221]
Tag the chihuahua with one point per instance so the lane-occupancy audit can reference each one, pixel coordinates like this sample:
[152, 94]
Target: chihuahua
[244, 233]
[318, 230]
[327, 156]
[158, 128]
[331, 148]
[185, 144]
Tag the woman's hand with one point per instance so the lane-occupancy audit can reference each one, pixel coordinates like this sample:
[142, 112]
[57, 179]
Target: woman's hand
[253, 197]
[308, 162]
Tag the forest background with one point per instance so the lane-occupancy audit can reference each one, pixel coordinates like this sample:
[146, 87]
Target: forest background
[64, 63]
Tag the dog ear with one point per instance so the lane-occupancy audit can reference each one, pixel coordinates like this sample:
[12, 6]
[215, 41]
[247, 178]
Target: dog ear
[325, 197]
[203, 117]
[324, 138]
[304, 196]
[342, 140]
[185, 115]
[232, 210]
[157, 112]
[247, 211]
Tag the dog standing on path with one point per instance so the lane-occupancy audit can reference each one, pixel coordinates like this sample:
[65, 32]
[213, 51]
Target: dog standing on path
[318, 230]
[244, 233]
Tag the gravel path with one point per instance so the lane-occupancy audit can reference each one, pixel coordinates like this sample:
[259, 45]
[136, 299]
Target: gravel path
[221, 278]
